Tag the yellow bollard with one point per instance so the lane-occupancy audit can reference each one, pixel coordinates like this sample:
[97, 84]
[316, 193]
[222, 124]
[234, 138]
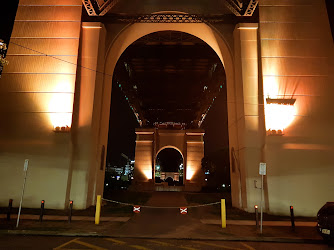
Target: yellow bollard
[223, 211]
[98, 210]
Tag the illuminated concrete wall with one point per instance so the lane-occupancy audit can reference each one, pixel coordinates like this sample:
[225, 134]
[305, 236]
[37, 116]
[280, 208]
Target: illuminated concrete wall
[194, 152]
[298, 61]
[143, 172]
[245, 148]
[36, 93]
[150, 142]
[89, 152]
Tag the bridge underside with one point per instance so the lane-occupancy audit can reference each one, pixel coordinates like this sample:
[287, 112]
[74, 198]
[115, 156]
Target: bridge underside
[55, 97]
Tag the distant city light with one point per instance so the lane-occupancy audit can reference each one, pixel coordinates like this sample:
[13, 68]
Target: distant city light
[107, 184]
[223, 185]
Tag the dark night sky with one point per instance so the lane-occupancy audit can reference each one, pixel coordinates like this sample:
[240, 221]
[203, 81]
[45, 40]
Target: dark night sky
[7, 19]
[121, 128]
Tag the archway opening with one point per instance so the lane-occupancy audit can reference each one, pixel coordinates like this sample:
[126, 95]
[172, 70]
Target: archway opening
[169, 167]
[173, 80]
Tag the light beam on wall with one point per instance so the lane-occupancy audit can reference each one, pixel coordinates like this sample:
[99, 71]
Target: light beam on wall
[61, 107]
[190, 172]
[279, 115]
[148, 174]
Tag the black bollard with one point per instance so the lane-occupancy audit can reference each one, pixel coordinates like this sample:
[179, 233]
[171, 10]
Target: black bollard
[292, 218]
[10, 206]
[256, 216]
[70, 212]
[42, 211]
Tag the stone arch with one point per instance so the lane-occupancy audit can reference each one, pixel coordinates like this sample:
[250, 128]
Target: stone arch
[169, 146]
[133, 32]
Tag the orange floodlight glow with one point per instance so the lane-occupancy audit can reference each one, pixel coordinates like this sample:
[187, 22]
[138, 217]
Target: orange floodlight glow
[190, 173]
[148, 174]
[61, 106]
[279, 116]
[279, 113]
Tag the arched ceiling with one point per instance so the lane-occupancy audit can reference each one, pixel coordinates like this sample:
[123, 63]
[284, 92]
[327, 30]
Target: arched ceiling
[170, 77]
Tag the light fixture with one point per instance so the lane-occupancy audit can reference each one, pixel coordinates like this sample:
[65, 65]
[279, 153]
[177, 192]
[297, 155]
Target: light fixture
[281, 101]
[279, 113]
[62, 129]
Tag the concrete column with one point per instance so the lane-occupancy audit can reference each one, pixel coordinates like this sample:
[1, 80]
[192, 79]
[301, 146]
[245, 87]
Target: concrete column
[89, 153]
[143, 178]
[195, 153]
[247, 154]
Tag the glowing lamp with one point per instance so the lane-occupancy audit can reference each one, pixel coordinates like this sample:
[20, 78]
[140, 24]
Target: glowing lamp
[279, 115]
[60, 106]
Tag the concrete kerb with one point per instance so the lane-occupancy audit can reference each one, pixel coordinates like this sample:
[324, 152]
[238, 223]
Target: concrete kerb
[222, 238]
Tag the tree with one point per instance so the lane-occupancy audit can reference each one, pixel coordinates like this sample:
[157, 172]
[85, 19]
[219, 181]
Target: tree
[208, 166]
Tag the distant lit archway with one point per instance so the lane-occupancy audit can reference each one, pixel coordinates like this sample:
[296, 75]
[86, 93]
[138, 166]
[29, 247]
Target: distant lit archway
[169, 166]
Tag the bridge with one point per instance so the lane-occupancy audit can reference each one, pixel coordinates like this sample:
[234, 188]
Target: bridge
[273, 60]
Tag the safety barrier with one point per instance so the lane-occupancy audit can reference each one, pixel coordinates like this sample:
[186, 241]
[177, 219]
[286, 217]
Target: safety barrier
[137, 208]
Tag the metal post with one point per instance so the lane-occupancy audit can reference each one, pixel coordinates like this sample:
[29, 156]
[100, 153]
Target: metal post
[25, 169]
[70, 212]
[261, 204]
[292, 218]
[42, 211]
[223, 213]
[10, 206]
[98, 210]
[256, 216]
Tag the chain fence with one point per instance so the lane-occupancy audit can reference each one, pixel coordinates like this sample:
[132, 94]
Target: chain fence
[144, 206]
